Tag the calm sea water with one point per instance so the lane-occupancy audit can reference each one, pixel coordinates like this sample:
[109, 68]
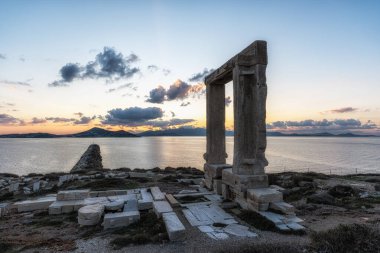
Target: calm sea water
[327, 155]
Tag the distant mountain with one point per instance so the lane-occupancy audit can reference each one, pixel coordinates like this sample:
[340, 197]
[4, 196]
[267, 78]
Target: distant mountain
[95, 132]
[184, 131]
[324, 134]
[100, 132]
[31, 135]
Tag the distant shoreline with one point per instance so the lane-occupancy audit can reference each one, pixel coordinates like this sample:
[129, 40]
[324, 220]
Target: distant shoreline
[178, 132]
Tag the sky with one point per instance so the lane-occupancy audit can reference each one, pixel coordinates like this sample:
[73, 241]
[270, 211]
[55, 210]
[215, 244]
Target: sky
[67, 66]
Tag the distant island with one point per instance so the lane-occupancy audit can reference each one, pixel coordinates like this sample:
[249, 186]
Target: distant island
[91, 133]
[97, 132]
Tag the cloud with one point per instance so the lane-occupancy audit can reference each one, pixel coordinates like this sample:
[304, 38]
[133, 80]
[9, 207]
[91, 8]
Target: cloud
[70, 71]
[179, 90]
[133, 116]
[227, 101]
[311, 125]
[2, 57]
[157, 95]
[60, 120]
[169, 123]
[84, 120]
[6, 119]
[21, 59]
[199, 77]
[38, 121]
[15, 83]
[109, 64]
[153, 68]
[342, 110]
[124, 86]
[166, 71]
[185, 103]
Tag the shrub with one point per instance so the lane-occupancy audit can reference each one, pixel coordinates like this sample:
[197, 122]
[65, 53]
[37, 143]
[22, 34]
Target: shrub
[346, 239]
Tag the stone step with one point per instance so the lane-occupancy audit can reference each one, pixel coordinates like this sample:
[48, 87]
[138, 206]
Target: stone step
[283, 207]
[161, 207]
[295, 226]
[157, 194]
[174, 227]
[264, 195]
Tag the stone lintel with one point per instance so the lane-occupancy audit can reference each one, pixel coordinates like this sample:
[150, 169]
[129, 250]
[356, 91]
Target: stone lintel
[256, 53]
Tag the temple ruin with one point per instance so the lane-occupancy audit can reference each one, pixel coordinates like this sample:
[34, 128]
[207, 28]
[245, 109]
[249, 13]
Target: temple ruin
[245, 181]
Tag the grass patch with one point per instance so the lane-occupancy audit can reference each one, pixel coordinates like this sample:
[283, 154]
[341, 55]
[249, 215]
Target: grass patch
[346, 239]
[148, 230]
[5, 247]
[109, 184]
[46, 221]
[269, 247]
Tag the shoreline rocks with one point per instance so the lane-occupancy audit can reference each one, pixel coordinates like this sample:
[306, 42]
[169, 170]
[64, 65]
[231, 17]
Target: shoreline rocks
[90, 160]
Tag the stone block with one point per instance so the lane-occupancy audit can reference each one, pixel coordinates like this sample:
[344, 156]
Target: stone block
[36, 186]
[228, 177]
[161, 207]
[59, 207]
[208, 183]
[13, 187]
[120, 219]
[217, 186]
[264, 195]
[295, 226]
[31, 205]
[282, 207]
[131, 205]
[157, 194]
[96, 200]
[245, 182]
[73, 195]
[114, 205]
[214, 171]
[174, 227]
[255, 206]
[146, 200]
[173, 202]
[90, 215]
[4, 208]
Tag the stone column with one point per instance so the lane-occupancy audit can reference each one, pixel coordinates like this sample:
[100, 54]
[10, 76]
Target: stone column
[216, 140]
[249, 85]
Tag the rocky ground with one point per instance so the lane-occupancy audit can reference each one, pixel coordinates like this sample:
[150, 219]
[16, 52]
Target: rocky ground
[324, 202]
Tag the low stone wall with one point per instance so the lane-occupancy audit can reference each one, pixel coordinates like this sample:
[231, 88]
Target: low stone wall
[90, 160]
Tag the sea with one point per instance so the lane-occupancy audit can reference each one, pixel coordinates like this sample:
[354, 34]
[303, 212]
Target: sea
[330, 155]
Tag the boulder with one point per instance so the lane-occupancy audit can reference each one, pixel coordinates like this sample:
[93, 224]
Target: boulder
[341, 191]
[321, 198]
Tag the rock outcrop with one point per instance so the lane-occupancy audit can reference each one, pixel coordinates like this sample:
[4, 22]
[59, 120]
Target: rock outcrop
[90, 160]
